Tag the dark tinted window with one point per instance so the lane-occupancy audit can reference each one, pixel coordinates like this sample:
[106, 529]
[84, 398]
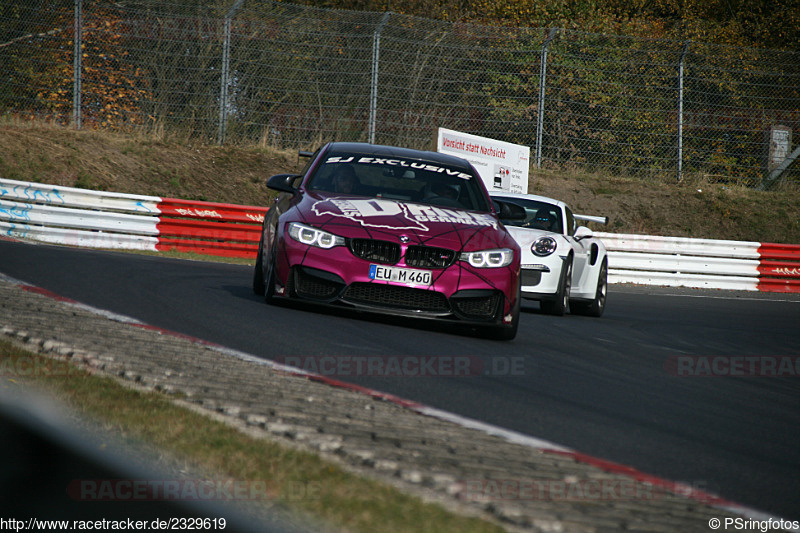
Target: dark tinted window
[539, 215]
[402, 179]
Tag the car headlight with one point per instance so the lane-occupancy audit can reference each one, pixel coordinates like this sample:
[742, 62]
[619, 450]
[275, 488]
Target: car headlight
[489, 258]
[544, 246]
[313, 236]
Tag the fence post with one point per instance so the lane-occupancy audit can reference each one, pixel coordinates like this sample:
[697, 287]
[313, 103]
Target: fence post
[776, 173]
[680, 109]
[542, 82]
[77, 67]
[373, 101]
[225, 72]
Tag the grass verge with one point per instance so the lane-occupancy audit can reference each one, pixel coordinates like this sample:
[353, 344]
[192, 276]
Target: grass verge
[339, 498]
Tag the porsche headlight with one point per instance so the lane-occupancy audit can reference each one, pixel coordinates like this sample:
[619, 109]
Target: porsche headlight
[489, 258]
[313, 236]
[544, 246]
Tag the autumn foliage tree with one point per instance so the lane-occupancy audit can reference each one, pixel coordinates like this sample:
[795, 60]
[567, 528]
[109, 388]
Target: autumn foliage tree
[112, 87]
[773, 24]
[43, 54]
[31, 36]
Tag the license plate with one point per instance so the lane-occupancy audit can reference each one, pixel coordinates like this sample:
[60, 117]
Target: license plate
[408, 276]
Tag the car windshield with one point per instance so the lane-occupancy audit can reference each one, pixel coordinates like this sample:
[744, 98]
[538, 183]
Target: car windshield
[538, 215]
[408, 180]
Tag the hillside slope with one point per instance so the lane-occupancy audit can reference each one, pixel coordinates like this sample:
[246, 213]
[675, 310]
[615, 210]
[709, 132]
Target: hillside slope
[237, 174]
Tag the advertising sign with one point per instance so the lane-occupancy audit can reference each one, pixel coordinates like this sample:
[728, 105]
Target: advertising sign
[503, 166]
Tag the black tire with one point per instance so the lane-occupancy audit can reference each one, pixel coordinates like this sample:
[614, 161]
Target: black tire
[269, 276]
[558, 306]
[596, 306]
[258, 272]
[507, 332]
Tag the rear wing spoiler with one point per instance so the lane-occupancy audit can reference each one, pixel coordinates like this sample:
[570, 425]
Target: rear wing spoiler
[589, 218]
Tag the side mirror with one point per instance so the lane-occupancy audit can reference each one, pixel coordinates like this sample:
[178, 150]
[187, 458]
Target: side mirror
[583, 233]
[509, 210]
[283, 183]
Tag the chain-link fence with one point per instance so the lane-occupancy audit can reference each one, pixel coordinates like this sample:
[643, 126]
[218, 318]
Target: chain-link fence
[296, 76]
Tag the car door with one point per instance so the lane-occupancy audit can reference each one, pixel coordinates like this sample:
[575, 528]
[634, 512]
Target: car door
[581, 252]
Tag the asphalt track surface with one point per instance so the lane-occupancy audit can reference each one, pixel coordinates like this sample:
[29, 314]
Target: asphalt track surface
[606, 387]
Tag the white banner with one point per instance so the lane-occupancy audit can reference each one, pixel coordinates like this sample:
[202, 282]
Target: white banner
[502, 166]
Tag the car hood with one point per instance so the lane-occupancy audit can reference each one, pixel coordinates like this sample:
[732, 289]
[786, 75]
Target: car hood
[399, 221]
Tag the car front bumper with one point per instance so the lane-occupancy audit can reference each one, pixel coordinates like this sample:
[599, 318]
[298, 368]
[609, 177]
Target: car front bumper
[540, 277]
[336, 276]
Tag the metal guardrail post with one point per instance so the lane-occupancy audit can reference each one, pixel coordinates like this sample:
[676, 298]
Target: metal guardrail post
[542, 83]
[223, 84]
[225, 72]
[77, 65]
[373, 101]
[680, 109]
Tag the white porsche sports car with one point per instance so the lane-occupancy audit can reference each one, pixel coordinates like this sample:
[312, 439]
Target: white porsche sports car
[563, 264]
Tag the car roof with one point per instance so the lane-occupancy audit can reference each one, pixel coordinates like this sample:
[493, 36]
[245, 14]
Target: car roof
[522, 196]
[397, 151]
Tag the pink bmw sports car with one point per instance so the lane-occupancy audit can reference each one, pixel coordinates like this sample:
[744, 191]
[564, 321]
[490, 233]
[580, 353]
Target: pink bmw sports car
[392, 230]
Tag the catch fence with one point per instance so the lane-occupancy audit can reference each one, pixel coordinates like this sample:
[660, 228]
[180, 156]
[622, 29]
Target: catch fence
[296, 76]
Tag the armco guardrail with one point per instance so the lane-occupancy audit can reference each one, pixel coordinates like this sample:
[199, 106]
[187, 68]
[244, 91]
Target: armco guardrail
[702, 263]
[79, 217]
[95, 219]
